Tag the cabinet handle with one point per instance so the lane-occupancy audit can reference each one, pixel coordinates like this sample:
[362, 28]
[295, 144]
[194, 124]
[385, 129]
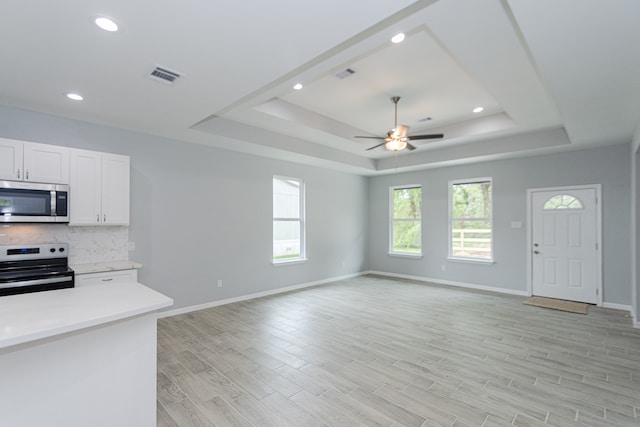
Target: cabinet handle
[104, 218]
[18, 173]
[27, 176]
[107, 280]
[98, 218]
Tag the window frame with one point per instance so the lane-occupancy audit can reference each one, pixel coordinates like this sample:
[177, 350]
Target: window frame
[469, 259]
[392, 219]
[301, 219]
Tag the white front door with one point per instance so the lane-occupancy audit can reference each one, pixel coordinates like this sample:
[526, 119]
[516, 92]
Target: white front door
[565, 262]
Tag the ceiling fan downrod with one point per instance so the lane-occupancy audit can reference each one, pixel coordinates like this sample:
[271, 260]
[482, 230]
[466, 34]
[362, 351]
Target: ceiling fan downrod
[395, 100]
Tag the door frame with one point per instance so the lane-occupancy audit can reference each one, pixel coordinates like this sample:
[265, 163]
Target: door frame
[598, 213]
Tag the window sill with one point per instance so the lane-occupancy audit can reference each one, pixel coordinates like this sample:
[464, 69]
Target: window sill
[405, 255]
[289, 262]
[471, 260]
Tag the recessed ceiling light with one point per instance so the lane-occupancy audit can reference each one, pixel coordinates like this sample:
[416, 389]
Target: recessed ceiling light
[297, 86]
[478, 109]
[74, 96]
[106, 24]
[398, 38]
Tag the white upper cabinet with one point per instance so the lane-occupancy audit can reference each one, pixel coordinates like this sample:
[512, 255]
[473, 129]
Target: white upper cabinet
[29, 161]
[11, 159]
[46, 163]
[115, 189]
[99, 188]
[85, 203]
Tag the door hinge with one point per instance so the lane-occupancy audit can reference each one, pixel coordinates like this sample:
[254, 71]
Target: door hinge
[597, 292]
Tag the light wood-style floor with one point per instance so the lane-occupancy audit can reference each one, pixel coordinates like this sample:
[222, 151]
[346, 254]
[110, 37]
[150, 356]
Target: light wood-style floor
[373, 351]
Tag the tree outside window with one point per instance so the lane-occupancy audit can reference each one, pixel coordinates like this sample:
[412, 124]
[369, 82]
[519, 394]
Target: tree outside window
[406, 220]
[470, 219]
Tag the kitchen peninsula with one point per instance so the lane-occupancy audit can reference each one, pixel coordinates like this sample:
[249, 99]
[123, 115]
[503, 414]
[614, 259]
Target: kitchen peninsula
[80, 356]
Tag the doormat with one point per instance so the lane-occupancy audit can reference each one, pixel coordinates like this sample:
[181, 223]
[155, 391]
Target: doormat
[558, 304]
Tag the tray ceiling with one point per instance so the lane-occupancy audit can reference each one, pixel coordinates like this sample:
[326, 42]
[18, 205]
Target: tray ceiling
[551, 75]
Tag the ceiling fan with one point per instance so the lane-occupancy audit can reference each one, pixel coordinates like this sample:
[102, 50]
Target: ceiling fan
[397, 138]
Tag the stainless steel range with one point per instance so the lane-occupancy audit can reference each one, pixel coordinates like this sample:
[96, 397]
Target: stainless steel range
[34, 268]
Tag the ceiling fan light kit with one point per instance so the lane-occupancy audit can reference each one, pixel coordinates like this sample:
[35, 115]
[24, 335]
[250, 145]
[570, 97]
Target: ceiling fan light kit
[397, 138]
[395, 145]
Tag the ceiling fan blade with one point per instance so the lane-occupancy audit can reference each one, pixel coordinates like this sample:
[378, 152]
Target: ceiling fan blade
[370, 137]
[410, 147]
[431, 136]
[376, 146]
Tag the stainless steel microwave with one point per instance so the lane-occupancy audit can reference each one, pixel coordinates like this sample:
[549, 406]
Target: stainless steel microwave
[33, 202]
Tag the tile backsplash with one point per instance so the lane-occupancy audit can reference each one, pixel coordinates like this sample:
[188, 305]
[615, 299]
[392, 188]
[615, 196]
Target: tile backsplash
[86, 244]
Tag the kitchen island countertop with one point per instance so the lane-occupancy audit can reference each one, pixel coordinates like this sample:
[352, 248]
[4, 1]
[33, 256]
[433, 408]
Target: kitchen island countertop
[29, 317]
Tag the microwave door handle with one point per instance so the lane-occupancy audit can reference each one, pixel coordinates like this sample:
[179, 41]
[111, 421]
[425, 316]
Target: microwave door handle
[53, 203]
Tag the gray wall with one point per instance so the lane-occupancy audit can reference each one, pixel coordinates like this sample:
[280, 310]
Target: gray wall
[200, 214]
[609, 166]
[635, 226]
[226, 232]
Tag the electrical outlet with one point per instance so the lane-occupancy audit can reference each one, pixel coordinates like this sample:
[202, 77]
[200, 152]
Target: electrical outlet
[443, 267]
[219, 283]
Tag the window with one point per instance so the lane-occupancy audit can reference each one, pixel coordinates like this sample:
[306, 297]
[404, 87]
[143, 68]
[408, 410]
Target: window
[563, 201]
[405, 229]
[288, 219]
[470, 219]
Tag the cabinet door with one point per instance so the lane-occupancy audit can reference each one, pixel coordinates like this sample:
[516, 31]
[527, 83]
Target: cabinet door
[11, 159]
[46, 163]
[85, 188]
[106, 278]
[115, 189]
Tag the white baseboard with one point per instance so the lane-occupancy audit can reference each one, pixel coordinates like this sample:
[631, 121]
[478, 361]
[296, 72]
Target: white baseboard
[617, 306]
[452, 283]
[486, 288]
[189, 309]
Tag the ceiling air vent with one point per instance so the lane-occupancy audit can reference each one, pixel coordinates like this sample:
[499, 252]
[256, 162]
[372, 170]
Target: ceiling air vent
[345, 73]
[164, 75]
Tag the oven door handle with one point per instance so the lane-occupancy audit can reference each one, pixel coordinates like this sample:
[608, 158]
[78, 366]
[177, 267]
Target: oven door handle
[36, 282]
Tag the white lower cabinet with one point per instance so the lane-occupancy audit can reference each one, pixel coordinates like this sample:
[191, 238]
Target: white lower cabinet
[105, 278]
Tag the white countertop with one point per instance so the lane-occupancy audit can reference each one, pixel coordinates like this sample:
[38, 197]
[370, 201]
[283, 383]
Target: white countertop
[30, 317]
[99, 267]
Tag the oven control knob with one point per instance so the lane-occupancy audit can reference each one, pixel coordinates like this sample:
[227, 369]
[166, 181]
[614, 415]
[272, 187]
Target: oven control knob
[52, 250]
[61, 249]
